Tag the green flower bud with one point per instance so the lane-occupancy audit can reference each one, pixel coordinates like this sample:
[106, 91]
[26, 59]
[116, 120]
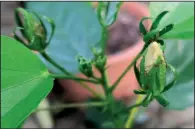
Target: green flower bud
[100, 60]
[152, 77]
[153, 53]
[33, 30]
[155, 68]
[85, 66]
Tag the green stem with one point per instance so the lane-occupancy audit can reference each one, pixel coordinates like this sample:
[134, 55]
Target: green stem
[105, 82]
[96, 78]
[104, 38]
[71, 106]
[91, 90]
[109, 97]
[133, 110]
[49, 59]
[75, 78]
[128, 68]
[134, 106]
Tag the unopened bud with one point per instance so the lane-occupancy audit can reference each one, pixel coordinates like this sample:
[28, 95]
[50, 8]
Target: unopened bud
[85, 66]
[33, 30]
[153, 53]
[99, 60]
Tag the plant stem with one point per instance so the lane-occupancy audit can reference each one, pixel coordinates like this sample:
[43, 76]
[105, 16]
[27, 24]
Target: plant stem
[49, 59]
[96, 78]
[71, 106]
[104, 38]
[109, 97]
[91, 90]
[75, 78]
[133, 106]
[105, 81]
[133, 111]
[128, 68]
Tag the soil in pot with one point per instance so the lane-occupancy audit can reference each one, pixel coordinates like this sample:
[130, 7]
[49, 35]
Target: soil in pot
[124, 33]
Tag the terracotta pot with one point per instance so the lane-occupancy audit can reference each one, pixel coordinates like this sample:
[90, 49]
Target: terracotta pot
[117, 63]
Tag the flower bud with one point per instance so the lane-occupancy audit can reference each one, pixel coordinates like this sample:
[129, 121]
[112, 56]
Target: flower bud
[33, 30]
[85, 66]
[153, 53]
[99, 60]
[155, 69]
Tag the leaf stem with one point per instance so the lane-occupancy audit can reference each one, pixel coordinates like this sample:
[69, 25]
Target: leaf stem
[128, 68]
[91, 90]
[136, 105]
[71, 106]
[75, 78]
[109, 97]
[133, 110]
[49, 59]
[105, 81]
[104, 38]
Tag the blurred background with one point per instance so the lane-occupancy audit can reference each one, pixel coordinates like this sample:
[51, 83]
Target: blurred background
[124, 33]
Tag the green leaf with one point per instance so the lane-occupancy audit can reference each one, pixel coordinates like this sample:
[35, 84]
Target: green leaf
[77, 30]
[24, 82]
[108, 12]
[181, 14]
[142, 28]
[157, 20]
[112, 12]
[180, 54]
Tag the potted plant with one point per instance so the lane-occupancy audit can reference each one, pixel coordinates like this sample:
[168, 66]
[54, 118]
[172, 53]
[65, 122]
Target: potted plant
[25, 85]
[116, 63]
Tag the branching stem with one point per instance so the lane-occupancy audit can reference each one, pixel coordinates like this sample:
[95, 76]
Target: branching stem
[49, 59]
[128, 68]
[73, 105]
[75, 78]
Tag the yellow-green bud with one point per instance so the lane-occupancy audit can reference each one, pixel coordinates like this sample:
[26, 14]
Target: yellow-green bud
[153, 53]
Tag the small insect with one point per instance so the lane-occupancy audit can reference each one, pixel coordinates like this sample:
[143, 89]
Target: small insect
[151, 75]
